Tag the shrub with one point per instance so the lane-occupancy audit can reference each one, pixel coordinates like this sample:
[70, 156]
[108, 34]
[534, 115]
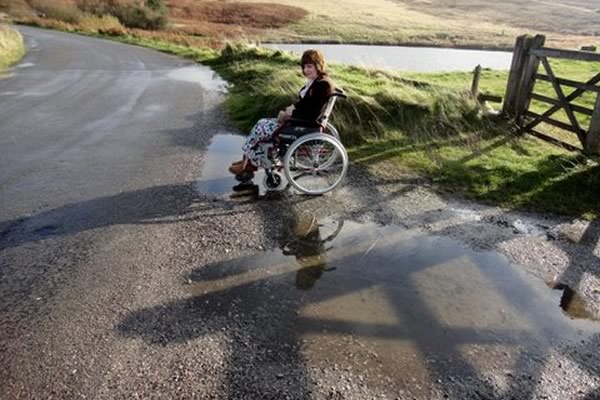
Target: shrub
[106, 24]
[150, 15]
[141, 17]
[59, 11]
[11, 46]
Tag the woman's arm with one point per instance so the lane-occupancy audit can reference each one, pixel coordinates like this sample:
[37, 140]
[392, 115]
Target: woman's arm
[309, 107]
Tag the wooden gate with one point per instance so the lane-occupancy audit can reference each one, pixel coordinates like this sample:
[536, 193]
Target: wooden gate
[528, 57]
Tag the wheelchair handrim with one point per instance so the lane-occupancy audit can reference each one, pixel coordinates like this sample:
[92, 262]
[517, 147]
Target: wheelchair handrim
[316, 171]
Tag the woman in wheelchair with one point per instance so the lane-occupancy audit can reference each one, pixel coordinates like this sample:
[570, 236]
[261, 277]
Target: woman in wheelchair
[312, 98]
[300, 142]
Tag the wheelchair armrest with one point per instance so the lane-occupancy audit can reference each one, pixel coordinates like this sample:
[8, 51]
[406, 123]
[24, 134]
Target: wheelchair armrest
[301, 122]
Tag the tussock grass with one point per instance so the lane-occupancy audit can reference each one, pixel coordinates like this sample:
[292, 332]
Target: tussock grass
[494, 82]
[12, 47]
[267, 81]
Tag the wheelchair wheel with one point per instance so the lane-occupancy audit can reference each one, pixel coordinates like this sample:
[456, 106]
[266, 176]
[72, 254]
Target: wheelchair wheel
[315, 164]
[331, 130]
[274, 182]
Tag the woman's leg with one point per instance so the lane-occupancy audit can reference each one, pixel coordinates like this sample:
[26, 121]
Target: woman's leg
[261, 132]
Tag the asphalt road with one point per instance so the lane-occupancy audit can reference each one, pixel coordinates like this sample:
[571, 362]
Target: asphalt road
[100, 144]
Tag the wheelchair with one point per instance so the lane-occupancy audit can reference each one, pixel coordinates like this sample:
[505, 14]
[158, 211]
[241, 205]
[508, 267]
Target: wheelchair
[309, 153]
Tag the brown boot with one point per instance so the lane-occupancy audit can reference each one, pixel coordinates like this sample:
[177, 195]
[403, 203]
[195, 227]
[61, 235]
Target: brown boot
[236, 169]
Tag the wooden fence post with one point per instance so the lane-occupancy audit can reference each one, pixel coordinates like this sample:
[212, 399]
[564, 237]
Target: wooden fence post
[516, 69]
[475, 83]
[592, 139]
[528, 78]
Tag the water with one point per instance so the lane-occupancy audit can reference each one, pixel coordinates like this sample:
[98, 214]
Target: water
[397, 302]
[217, 180]
[200, 75]
[571, 302]
[419, 59]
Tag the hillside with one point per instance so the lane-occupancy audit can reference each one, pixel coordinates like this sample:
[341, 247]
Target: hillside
[456, 23]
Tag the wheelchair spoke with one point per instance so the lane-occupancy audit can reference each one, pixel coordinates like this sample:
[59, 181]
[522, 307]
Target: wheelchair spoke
[315, 164]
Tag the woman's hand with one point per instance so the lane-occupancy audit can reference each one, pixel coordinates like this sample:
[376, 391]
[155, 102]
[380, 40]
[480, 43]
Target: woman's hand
[286, 114]
[282, 117]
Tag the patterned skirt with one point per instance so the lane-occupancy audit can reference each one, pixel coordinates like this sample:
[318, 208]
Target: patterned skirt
[262, 132]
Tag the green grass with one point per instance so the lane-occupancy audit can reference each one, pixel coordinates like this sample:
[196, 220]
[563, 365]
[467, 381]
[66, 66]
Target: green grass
[424, 123]
[12, 48]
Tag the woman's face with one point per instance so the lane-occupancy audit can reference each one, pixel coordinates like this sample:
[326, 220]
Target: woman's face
[310, 71]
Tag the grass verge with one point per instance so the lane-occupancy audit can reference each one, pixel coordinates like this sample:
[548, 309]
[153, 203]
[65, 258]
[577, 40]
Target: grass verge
[12, 48]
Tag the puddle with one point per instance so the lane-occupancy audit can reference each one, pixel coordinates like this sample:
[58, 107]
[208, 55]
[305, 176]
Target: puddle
[47, 230]
[571, 303]
[393, 302]
[217, 180]
[466, 214]
[25, 65]
[201, 75]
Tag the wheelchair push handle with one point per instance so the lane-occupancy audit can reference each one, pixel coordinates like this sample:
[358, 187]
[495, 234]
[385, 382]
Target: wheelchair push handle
[339, 93]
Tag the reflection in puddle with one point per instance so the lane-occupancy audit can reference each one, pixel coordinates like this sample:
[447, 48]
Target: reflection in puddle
[25, 65]
[217, 180]
[402, 300]
[308, 246]
[201, 75]
[571, 303]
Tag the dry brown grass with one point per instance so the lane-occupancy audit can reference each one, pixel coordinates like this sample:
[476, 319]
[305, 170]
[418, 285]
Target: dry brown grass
[64, 10]
[16, 8]
[448, 23]
[254, 15]
[191, 21]
[428, 22]
[580, 17]
[222, 21]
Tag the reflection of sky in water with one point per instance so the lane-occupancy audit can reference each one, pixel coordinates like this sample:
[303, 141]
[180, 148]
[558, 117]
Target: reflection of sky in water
[421, 59]
[25, 65]
[216, 179]
[201, 75]
[364, 273]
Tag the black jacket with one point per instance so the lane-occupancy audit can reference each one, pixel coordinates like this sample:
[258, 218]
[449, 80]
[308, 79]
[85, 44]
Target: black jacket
[309, 107]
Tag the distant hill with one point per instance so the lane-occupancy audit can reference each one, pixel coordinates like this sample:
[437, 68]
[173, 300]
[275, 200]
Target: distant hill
[446, 23]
